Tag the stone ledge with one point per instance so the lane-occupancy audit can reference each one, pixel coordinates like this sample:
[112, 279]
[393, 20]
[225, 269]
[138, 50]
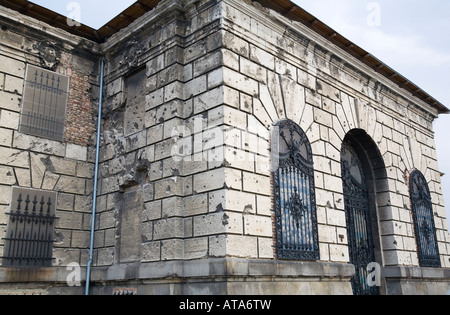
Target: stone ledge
[417, 273]
[223, 267]
[38, 275]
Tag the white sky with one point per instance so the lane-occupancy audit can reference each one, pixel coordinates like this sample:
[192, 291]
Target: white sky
[410, 36]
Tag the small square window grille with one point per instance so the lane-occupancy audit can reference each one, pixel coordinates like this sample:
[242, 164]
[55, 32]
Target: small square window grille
[44, 103]
[30, 233]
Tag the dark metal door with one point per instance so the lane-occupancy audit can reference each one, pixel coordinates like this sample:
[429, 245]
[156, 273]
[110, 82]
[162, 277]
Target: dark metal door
[357, 207]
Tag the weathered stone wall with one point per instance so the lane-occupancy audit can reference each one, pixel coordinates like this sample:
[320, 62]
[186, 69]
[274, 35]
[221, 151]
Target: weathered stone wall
[151, 206]
[285, 71]
[66, 167]
[192, 90]
[186, 171]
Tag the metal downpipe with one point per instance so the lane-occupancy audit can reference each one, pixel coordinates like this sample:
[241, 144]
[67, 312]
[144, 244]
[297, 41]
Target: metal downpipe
[94, 201]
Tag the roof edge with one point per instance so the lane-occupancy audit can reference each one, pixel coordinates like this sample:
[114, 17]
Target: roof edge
[285, 7]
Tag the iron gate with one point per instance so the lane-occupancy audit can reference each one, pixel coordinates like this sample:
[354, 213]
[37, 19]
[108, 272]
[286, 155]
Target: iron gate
[30, 233]
[356, 198]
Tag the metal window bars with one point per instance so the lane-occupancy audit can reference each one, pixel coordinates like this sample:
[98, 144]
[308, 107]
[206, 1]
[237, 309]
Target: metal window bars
[30, 234]
[295, 205]
[357, 213]
[425, 230]
[44, 103]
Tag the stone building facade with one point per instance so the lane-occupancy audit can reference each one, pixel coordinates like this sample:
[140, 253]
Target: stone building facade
[215, 115]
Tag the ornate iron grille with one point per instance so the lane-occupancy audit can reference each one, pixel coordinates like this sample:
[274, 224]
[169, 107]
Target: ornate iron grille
[356, 199]
[44, 103]
[29, 237]
[295, 204]
[425, 229]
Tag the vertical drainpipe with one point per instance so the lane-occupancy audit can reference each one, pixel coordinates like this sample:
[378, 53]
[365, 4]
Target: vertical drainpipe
[94, 198]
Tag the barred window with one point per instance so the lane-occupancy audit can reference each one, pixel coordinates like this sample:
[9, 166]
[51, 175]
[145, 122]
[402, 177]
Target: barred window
[295, 204]
[44, 104]
[425, 229]
[29, 236]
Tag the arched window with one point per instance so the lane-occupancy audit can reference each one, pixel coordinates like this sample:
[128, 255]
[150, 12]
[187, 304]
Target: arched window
[295, 204]
[425, 229]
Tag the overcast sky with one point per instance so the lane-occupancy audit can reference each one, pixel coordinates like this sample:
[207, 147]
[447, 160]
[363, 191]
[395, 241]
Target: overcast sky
[410, 36]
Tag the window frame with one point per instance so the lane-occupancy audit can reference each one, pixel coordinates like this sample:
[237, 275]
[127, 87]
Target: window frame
[44, 103]
[422, 209]
[290, 214]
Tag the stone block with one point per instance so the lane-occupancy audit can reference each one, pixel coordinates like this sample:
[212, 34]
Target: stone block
[253, 70]
[5, 194]
[36, 144]
[151, 251]
[131, 226]
[322, 117]
[13, 157]
[196, 248]
[71, 185]
[339, 253]
[168, 228]
[257, 226]
[262, 57]
[218, 223]
[12, 66]
[207, 63]
[240, 82]
[265, 248]
[7, 176]
[69, 220]
[155, 65]
[256, 183]
[60, 165]
[49, 181]
[233, 245]
[9, 119]
[172, 207]
[240, 201]
[6, 136]
[23, 177]
[207, 181]
[114, 87]
[13, 85]
[194, 87]
[196, 205]
[233, 179]
[172, 249]
[169, 187]
[235, 44]
[154, 99]
[174, 90]
[152, 211]
[76, 152]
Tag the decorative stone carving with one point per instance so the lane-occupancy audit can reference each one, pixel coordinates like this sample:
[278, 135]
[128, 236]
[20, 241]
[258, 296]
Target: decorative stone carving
[49, 54]
[134, 49]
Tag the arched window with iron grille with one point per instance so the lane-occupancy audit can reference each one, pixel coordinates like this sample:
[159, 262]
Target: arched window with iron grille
[425, 230]
[295, 204]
